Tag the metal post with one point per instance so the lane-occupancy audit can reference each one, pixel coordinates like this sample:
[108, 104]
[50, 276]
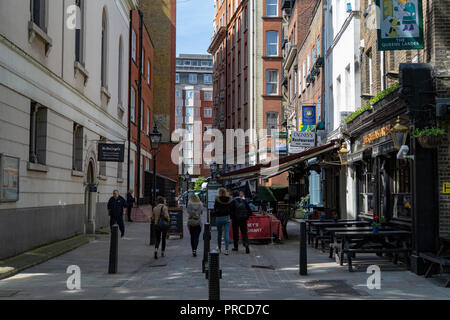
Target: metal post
[113, 250]
[303, 259]
[206, 245]
[213, 275]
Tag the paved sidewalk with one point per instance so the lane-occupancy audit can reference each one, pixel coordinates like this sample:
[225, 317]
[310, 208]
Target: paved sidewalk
[179, 276]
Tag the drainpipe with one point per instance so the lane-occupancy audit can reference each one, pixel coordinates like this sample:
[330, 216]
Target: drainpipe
[138, 180]
[129, 99]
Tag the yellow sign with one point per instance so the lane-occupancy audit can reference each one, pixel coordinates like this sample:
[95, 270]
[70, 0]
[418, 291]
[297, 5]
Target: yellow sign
[446, 188]
[377, 134]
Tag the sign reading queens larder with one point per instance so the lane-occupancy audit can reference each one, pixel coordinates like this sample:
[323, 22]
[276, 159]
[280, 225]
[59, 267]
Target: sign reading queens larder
[400, 24]
[111, 152]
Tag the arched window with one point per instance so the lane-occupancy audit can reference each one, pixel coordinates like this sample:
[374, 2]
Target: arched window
[104, 49]
[120, 73]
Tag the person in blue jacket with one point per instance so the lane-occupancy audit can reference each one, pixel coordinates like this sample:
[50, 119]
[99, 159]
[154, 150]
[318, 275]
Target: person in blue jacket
[115, 211]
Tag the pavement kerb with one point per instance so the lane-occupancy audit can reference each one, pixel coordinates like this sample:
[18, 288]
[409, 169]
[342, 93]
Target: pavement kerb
[13, 265]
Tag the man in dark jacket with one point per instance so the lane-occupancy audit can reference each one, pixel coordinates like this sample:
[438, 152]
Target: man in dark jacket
[240, 212]
[115, 211]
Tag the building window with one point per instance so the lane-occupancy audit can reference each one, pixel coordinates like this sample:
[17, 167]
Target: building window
[272, 82]
[77, 152]
[104, 44]
[133, 105]
[177, 78]
[366, 189]
[207, 113]
[38, 13]
[148, 120]
[79, 32]
[208, 95]
[187, 62]
[120, 73]
[271, 43]
[143, 61]
[272, 8]
[133, 45]
[401, 201]
[178, 93]
[120, 170]
[38, 134]
[207, 78]
[271, 122]
[148, 72]
[193, 78]
[318, 47]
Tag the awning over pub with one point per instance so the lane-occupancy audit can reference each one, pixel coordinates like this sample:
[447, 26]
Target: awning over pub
[283, 164]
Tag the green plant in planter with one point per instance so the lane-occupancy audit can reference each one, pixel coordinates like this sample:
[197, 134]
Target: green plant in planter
[429, 132]
[357, 113]
[384, 93]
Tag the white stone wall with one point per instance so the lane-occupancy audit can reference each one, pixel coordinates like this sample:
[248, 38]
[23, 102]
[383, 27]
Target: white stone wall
[27, 74]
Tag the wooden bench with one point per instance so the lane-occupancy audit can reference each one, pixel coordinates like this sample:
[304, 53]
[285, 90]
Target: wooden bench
[434, 261]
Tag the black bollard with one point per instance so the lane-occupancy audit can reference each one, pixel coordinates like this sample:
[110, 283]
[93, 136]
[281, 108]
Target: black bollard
[206, 245]
[152, 233]
[113, 250]
[303, 258]
[213, 275]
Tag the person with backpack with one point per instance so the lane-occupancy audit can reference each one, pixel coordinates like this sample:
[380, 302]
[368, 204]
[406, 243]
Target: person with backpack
[161, 219]
[222, 213]
[194, 210]
[240, 212]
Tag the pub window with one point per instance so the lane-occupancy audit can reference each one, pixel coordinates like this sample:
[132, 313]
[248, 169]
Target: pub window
[402, 190]
[38, 134]
[366, 200]
[77, 155]
[271, 122]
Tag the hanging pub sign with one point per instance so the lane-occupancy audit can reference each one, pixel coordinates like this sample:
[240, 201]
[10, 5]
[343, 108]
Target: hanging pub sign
[309, 115]
[400, 24]
[303, 139]
[111, 152]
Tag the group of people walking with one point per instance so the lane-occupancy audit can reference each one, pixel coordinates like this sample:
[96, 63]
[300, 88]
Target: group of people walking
[228, 211]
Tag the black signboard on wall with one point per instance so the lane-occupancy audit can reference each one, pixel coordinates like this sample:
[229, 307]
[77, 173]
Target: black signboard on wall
[176, 222]
[111, 152]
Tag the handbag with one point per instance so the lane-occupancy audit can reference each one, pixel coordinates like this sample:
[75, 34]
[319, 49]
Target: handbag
[163, 224]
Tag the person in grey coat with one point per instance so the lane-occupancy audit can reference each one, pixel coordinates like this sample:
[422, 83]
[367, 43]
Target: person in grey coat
[195, 210]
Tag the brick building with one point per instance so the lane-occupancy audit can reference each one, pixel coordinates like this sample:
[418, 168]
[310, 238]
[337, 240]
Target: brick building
[246, 49]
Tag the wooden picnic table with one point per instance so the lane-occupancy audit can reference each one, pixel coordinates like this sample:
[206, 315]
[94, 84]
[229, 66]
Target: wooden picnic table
[319, 227]
[331, 231]
[438, 263]
[389, 241]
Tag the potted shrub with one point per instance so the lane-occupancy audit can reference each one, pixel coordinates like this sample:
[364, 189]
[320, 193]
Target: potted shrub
[334, 215]
[429, 138]
[375, 224]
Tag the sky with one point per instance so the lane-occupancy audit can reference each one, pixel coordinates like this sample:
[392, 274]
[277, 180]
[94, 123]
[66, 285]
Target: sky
[194, 25]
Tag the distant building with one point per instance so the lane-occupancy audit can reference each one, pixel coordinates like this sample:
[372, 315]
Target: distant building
[193, 104]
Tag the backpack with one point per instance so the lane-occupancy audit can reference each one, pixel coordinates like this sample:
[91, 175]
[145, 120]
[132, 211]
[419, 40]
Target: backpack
[162, 224]
[241, 211]
[194, 218]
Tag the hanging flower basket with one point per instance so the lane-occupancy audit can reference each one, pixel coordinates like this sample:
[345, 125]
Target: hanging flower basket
[430, 142]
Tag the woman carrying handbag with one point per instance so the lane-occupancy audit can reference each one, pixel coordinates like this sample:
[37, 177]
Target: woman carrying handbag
[161, 218]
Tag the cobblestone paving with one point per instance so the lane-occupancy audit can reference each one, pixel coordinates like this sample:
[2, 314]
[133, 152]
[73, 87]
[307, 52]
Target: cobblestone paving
[179, 275]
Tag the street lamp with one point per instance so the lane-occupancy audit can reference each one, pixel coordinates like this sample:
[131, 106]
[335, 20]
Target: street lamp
[343, 154]
[155, 140]
[399, 133]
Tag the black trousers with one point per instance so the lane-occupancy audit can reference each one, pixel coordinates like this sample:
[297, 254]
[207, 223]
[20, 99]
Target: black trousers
[160, 235]
[119, 220]
[195, 235]
[239, 224]
[129, 212]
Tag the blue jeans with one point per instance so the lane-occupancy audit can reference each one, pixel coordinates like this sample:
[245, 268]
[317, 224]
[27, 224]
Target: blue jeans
[223, 222]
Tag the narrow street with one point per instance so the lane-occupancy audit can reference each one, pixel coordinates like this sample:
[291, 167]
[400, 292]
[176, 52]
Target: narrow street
[178, 275]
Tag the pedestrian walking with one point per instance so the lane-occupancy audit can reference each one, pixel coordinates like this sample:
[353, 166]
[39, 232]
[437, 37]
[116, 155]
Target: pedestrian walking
[222, 213]
[195, 210]
[130, 203]
[240, 212]
[115, 211]
[161, 218]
